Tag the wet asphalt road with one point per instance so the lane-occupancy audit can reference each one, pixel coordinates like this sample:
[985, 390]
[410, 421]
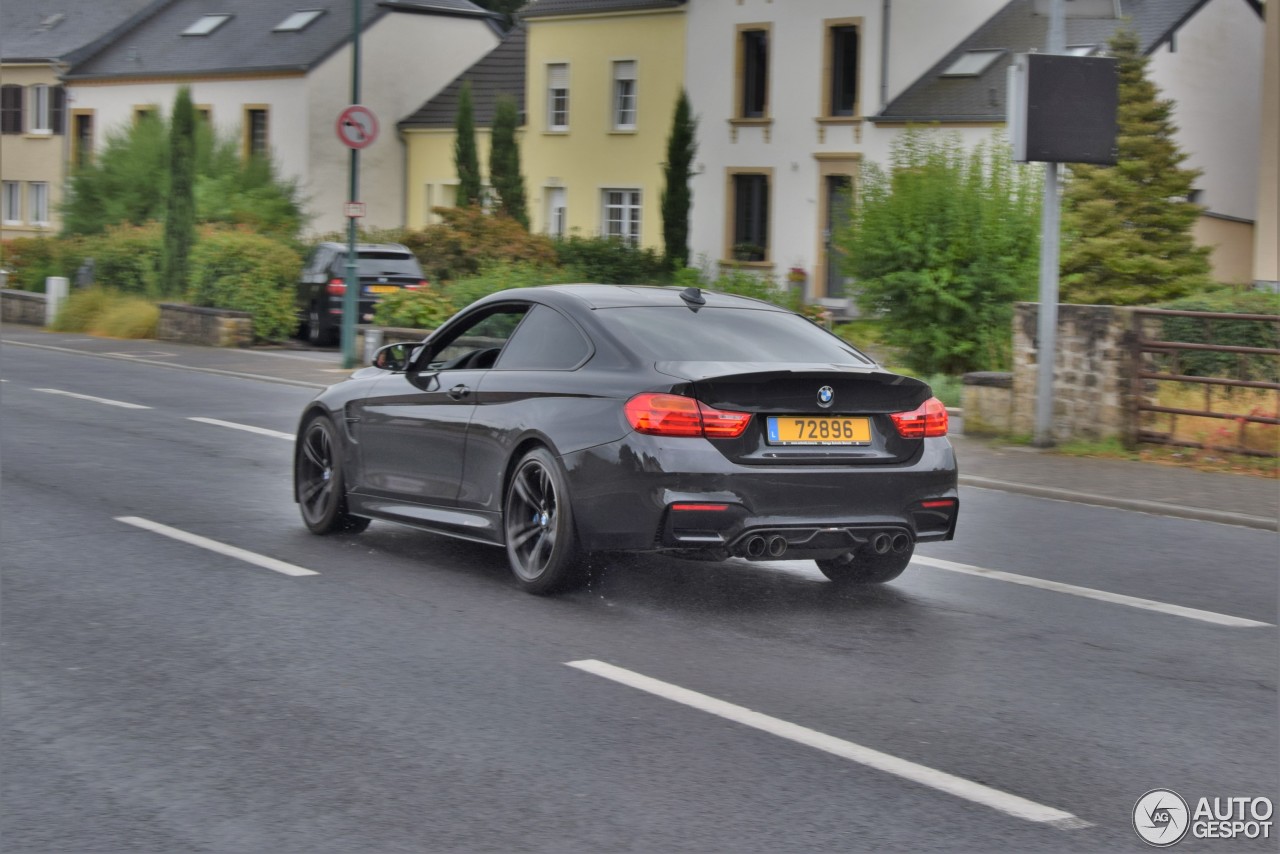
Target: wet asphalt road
[159, 696]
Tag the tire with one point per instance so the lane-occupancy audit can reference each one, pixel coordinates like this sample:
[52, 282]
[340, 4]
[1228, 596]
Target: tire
[538, 522]
[319, 483]
[866, 567]
[316, 333]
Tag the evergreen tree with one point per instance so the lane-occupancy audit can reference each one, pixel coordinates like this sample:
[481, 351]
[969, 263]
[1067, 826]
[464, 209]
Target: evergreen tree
[681, 148]
[504, 162]
[1127, 228]
[180, 212]
[465, 158]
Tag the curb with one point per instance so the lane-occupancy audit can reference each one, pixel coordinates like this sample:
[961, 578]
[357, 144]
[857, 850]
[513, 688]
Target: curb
[1155, 508]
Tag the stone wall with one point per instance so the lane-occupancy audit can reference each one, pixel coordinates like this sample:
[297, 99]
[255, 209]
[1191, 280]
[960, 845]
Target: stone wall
[213, 327]
[988, 403]
[22, 307]
[1093, 386]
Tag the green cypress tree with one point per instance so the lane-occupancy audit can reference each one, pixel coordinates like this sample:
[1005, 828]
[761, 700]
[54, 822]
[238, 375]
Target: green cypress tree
[676, 199]
[504, 162]
[1127, 228]
[465, 158]
[180, 207]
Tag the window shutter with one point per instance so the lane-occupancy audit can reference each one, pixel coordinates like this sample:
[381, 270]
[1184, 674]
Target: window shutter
[624, 70]
[558, 76]
[11, 108]
[58, 109]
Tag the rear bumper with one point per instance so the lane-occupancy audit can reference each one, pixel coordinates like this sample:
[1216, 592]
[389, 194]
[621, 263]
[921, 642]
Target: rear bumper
[695, 499]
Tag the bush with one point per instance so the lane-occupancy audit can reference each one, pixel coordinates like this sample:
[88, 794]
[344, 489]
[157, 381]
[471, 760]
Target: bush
[31, 260]
[502, 275]
[247, 272]
[127, 258]
[610, 261]
[424, 309]
[469, 238]
[1236, 333]
[81, 309]
[127, 317]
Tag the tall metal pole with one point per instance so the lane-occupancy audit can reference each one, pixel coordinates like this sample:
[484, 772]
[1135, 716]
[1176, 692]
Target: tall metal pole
[351, 296]
[1050, 219]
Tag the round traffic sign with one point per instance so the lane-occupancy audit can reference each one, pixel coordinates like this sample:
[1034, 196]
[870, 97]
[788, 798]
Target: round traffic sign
[357, 126]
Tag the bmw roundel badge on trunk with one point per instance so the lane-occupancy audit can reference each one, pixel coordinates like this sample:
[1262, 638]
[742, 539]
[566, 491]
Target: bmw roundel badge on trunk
[826, 395]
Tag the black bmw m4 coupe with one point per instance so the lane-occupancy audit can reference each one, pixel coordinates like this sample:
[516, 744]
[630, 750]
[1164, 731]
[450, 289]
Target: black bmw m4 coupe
[571, 419]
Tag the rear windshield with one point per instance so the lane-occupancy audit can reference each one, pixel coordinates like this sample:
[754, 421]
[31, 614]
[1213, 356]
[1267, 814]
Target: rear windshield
[677, 334]
[383, 264]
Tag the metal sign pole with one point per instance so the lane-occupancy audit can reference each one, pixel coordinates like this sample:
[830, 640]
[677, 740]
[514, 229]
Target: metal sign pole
[351, 295]
[1050, 235]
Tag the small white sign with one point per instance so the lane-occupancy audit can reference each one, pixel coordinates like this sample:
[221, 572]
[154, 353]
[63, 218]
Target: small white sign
[353, 210]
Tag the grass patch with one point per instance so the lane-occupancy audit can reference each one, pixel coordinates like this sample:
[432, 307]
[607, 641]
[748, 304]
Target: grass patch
[102, 311]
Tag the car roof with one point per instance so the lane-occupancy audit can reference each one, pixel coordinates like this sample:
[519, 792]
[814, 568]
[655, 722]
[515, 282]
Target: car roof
[594, 296]
[366, 247]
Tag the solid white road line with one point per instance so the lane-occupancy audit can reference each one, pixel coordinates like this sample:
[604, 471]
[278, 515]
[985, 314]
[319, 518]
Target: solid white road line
[940, 780]
[107, 401]
[248, 428]
[215, 546]
[1090, 593]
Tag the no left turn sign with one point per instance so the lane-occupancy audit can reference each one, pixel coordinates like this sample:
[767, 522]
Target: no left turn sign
[357, 126]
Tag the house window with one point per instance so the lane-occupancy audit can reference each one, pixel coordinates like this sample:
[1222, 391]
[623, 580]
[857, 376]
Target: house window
[622, 215]
[206, 25]
[750, 229]
[972, 63]
[556, 211]
[11, 97]
[558, 96]
[12, 203]
[40, 120]
[298, 21]
[145, 112]
[753, 72]
[82, 139]
[842, 70]
[38, 201]
[256, 141]
[624, 95]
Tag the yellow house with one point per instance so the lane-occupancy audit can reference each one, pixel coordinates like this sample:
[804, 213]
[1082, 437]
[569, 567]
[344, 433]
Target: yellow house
[601, 84]
[428, 134]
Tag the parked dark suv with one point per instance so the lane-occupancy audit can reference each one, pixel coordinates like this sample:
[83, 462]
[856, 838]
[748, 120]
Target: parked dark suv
[382, 268]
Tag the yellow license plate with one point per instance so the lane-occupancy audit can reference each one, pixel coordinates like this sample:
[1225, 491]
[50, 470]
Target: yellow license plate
[818, 430]
[381, 289]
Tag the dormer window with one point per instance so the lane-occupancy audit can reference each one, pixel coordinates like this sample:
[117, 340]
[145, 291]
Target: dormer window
[206, 25]
[298, 21]
[1082, 49]
[972, 63]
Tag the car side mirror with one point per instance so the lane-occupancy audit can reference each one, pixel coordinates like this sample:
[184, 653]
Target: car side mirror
[394, 357]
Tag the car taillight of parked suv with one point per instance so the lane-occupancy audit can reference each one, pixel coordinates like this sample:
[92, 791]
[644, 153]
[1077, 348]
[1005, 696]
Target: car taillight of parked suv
[381, 268]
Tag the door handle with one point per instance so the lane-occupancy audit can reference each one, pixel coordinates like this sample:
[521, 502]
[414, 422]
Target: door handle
[459, 391]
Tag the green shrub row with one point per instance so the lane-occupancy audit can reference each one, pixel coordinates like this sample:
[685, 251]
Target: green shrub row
[1235, 333]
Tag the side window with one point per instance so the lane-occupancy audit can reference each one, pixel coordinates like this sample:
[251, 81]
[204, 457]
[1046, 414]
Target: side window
[478, 343]
[546, 341]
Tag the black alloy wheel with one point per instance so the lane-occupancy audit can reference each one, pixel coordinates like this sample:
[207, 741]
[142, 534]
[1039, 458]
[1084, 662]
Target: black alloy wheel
[538, 521]
[319, 481]
[866, 567]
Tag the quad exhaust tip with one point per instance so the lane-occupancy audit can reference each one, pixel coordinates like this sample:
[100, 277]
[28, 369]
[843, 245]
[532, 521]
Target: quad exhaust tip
[777, 546]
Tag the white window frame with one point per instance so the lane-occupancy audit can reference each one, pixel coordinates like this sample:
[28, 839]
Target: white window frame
[298, 21]
[206, 24]
[620, 214]
[38, 200]
[41, 113]
[558, 96]
[11, 203]
[557, 211]
[624, 95]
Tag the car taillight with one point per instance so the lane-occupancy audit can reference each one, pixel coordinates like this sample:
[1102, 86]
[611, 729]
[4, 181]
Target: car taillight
[673, 415]
[929, 419]
[337, 287]
[420, 286]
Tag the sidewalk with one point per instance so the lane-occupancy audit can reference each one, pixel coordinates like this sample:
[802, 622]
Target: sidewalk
[1146, 487]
